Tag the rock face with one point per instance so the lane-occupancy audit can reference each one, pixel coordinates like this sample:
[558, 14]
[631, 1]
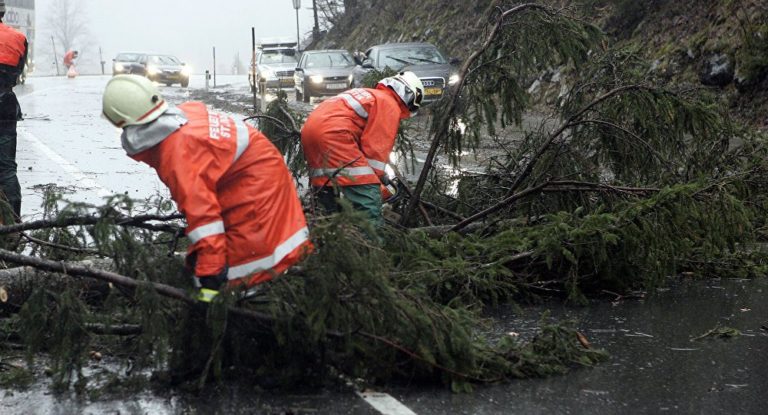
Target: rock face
[717, 70]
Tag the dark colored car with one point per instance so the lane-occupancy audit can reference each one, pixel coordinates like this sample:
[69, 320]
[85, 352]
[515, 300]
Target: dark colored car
[165, 69]
[323, 73]
[275, 67]
[423, 59]
[127, 63]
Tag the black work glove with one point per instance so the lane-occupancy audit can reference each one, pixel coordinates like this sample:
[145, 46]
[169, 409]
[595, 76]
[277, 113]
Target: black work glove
[211, 284]
[214, 282]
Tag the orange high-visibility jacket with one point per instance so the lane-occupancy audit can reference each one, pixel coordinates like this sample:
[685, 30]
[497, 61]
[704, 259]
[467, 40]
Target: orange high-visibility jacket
[347, 139]
[13, 53]
[69, 58]
[232, 185]
[13, 46]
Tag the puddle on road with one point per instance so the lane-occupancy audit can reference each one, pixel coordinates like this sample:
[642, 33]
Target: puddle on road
[654, 366]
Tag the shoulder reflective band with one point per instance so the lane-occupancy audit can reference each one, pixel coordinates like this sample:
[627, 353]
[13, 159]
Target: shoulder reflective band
[378, 165]
[355, 105]
[347, 171]
[202, 232]
[243, 138]
[270, 261]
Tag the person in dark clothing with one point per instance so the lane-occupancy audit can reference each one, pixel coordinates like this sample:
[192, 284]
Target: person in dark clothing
[13, 57]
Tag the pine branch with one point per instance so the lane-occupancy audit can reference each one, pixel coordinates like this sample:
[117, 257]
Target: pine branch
[121, 280]
[444, 123]
[59, 246]
[570, 123]
[499, 206]
[139, 221]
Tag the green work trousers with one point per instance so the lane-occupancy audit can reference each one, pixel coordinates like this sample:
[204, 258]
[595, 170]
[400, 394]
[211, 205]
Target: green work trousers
[364, 198]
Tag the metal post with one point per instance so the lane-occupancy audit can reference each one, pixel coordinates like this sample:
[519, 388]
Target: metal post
[214, 66]
[55, 59]
[298, 36]
[253, 67]
[297, 6]
[101, 58]
[316, 29]
[207, 80]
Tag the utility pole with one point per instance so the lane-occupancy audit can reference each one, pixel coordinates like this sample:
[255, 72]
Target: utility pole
[214, 66]
[316, 29]
[297, 6]
[101, 58]
[55, 59]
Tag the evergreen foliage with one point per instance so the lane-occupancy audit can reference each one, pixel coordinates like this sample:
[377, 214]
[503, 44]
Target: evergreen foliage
[624, 184]
[281, 125]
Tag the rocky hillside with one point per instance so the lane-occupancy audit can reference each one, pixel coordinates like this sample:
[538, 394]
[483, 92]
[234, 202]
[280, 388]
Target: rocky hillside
[717, 44]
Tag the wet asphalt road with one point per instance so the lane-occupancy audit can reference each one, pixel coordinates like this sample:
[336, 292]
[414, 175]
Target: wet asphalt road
[654, 366]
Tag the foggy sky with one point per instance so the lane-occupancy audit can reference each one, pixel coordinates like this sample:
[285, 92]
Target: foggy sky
[185, 28]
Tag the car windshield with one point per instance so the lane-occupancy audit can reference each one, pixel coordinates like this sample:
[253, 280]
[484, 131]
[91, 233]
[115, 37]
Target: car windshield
[396, 58]
[330, 60]
[164, 60]
[128, 57]
[277, 56]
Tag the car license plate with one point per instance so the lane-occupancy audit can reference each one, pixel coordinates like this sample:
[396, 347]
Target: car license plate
[336, 86]
[433, 91]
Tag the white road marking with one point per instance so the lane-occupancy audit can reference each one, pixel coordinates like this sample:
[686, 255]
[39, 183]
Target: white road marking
[77, 174]
[385, 404]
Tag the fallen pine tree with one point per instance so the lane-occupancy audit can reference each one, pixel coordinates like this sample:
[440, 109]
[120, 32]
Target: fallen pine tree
[626, 183]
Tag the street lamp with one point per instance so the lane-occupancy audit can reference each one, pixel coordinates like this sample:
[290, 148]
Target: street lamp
[297, 6]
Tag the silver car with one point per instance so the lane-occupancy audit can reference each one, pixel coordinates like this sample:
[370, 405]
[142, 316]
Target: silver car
[274, 68]
[423, 59]
[323, 73]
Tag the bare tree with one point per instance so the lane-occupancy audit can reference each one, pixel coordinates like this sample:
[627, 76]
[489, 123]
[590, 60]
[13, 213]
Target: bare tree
[331, 11]
[68, 24]
[238, 67]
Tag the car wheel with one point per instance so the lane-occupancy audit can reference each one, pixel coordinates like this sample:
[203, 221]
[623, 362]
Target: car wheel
[185, 83]
[299, 96]
[169, 84]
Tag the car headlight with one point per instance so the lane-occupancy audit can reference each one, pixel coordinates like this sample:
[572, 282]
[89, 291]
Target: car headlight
[186, 70]
[268, 74]
[119, 67]
[454, 79]
[316, 79]
[153, 70]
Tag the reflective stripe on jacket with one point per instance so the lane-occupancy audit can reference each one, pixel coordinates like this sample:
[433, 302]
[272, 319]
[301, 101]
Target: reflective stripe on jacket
[347, 139]
[233, 187]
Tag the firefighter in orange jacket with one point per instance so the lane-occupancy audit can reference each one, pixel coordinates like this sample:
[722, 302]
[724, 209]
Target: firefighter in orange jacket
[244, 217]
[347, 141]
[69, 58]
[13, 57]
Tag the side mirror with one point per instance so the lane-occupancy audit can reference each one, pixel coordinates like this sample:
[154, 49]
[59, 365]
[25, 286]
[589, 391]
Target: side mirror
[367, 64]
[455, 61]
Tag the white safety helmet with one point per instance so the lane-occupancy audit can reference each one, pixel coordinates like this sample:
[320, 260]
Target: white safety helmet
[132, 100]
[408, 87]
